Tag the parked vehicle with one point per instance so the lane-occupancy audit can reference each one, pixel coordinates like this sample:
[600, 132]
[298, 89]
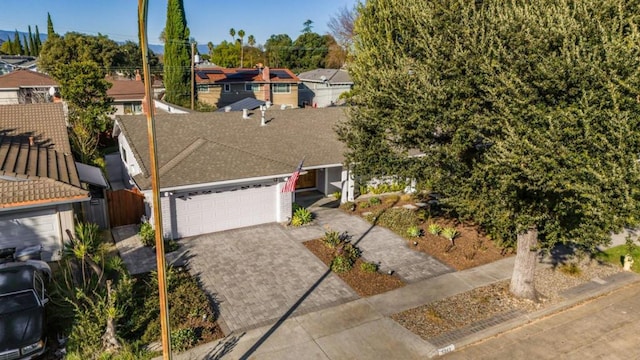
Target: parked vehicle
[22, 304]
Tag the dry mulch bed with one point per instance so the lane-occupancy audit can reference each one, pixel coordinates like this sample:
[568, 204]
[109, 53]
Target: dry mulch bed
[363, 283]
[471, 247]
[431, 320]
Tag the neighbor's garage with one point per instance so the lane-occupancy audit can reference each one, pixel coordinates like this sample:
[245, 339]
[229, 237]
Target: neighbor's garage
[202, 212]
[23, 229]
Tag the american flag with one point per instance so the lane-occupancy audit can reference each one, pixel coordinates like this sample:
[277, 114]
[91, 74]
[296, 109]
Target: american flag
[290, 186]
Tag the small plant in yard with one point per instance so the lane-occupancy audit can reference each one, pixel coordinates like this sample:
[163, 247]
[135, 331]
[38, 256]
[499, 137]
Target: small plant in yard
[341, 264]
[375, 201]
[183, 339]
[337, 195]
[435, 229]
[350, 251]
[363, 204]
[369, 267]
[571, 269]
[391, 199]
[331, 238]
[449, 233]
[147, 234]
[414, 231]
[301, 217]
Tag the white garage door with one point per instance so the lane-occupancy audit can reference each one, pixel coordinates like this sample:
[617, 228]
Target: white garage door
[205, 212]
[25, 229]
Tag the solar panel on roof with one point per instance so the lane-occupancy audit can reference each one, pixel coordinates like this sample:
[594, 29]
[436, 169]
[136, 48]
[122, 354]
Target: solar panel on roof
[214, 71]
[201, 75]
[281, 74]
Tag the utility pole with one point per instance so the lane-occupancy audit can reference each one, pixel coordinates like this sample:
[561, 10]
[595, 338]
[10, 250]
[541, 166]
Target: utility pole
[143, 7]
[193, 61]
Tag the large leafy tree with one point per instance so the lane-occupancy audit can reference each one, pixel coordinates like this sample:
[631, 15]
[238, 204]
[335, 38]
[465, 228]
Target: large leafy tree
[177, 55]
[526, 114]
[309, 51]
[278, 50]
[59, 51]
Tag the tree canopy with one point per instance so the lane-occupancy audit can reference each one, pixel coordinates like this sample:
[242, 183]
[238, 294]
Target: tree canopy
[525, 113]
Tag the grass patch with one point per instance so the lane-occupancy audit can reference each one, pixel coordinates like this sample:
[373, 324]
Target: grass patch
[615, 255]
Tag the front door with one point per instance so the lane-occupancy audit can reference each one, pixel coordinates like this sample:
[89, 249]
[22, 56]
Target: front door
[307, 180]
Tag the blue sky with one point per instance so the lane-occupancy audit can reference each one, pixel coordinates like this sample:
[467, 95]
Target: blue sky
[208, 20]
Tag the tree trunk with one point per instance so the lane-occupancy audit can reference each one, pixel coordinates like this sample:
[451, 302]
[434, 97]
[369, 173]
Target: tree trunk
[110, 342]
[522, 280]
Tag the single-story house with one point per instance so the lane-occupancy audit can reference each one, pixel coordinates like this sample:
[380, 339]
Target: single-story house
[219, 171]
[39, 181]
[222, 86]
[27, 87]
[323, 87]
[127, 95]
[9, 63]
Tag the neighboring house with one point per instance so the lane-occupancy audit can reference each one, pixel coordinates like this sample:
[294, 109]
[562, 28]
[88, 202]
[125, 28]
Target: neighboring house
[27, 87]
[323, 87]
[127, 95]
[39, 182]
[9, 63]
[221, 86]
[219, 171]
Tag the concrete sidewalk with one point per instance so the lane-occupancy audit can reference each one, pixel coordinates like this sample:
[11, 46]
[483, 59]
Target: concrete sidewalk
[361, 329]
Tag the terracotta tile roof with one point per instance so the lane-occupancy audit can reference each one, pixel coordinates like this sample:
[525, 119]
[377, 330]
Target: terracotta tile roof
[25, 78]
[208, 147]
[40, 172]
[126, 90]
[224, 75]
[45, 122]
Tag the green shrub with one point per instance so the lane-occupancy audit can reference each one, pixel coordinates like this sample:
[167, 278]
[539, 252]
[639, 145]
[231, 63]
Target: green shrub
[364, 189]
[349, 251]
[331, 239]
[450, 233]
[414, 231]
[295, 207]
[170, 245]
[435, 229]
[391, 199]
[375, 200]
[397, 220]
[337, 195]
[341, 264]
[363, 204]
[183, 339]
[369, 267]
[147, 234]
[301, 217]
[571, 269]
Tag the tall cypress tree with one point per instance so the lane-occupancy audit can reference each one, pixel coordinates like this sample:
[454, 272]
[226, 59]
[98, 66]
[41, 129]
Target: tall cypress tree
[177, 58]
[25, 48]
[17, 46]
[50, 31]
[38, 42]
[32, 44]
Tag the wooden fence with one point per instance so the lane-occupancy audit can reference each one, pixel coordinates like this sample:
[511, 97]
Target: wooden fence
[125, 207]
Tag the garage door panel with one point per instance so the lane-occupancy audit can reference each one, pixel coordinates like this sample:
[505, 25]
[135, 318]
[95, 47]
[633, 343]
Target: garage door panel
[25, 229]
[217, 211]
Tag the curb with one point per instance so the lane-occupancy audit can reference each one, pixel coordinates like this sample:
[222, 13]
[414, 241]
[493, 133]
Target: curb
[613, 283]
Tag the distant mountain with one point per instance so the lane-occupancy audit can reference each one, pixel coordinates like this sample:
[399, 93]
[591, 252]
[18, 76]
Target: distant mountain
[156, 48]
[6, 34]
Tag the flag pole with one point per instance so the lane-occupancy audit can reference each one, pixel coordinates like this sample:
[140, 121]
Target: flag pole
[143, 7]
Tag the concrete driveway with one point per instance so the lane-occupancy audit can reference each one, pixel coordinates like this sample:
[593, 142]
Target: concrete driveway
[264, 273]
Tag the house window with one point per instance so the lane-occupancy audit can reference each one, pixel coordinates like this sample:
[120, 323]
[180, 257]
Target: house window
[252, 87]
[132, 108]
[281, 88]
[227, 87]
[203, 88]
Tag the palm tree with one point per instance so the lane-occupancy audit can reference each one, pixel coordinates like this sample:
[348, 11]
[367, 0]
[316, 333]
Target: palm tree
[210, 46]
[232, 32]
[251, 41]
[241, 36]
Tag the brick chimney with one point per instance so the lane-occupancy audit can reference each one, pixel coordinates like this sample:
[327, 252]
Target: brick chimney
[138, 77]
[265, 74]
[267, 86]
[145, 110]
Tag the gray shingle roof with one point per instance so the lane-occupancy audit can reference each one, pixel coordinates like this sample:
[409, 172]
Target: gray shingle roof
[332, 76]
[209, 147]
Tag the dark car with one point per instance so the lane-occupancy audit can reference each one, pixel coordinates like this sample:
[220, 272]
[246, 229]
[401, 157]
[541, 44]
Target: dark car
[22, 305]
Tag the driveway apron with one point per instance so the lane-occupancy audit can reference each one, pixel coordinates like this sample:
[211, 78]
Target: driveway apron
[259, 274]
